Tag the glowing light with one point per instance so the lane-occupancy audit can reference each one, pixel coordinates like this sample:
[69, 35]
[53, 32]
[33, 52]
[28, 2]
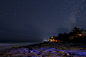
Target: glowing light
[79, 34]
[51, 37]
[56, 40]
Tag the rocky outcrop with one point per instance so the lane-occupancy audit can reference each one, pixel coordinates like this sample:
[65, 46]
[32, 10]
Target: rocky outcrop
[46, 50]
[15, 51]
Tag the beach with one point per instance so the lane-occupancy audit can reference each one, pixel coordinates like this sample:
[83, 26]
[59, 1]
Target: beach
[46, 49]
[6, 45]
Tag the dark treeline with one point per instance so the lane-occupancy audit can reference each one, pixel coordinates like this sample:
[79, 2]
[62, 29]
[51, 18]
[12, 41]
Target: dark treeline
[77, 35]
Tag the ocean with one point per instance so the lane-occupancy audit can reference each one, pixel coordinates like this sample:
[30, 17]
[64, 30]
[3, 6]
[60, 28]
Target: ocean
[4, 46]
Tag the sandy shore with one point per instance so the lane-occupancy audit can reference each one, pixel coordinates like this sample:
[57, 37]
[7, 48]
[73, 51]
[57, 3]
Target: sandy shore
[47, 50]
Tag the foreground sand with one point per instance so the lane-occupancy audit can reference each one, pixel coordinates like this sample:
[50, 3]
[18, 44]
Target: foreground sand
[47, 50]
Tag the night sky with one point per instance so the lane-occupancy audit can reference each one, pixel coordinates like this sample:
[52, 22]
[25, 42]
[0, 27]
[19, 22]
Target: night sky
[37, 20]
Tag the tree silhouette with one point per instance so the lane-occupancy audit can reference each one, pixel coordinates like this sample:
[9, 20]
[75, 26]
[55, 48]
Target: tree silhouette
[71, 34]
[75, 30]
[60, 36]
[65, 33]
[81, 30]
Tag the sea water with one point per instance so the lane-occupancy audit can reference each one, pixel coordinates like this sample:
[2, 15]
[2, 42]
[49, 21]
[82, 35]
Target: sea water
[4, 46]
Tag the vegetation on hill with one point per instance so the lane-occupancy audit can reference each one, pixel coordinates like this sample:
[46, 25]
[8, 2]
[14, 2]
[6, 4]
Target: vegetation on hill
[77, 35]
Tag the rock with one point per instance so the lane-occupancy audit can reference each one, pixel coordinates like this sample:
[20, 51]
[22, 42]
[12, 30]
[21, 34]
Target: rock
[39, 53]
[64, 48]
[50, 51]
[16, 51]
[30, 48]
[66, 54]
[61, 53]
[58, 50]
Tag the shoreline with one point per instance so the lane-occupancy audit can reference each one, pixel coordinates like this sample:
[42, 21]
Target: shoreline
[7, 45]
[45, 49]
